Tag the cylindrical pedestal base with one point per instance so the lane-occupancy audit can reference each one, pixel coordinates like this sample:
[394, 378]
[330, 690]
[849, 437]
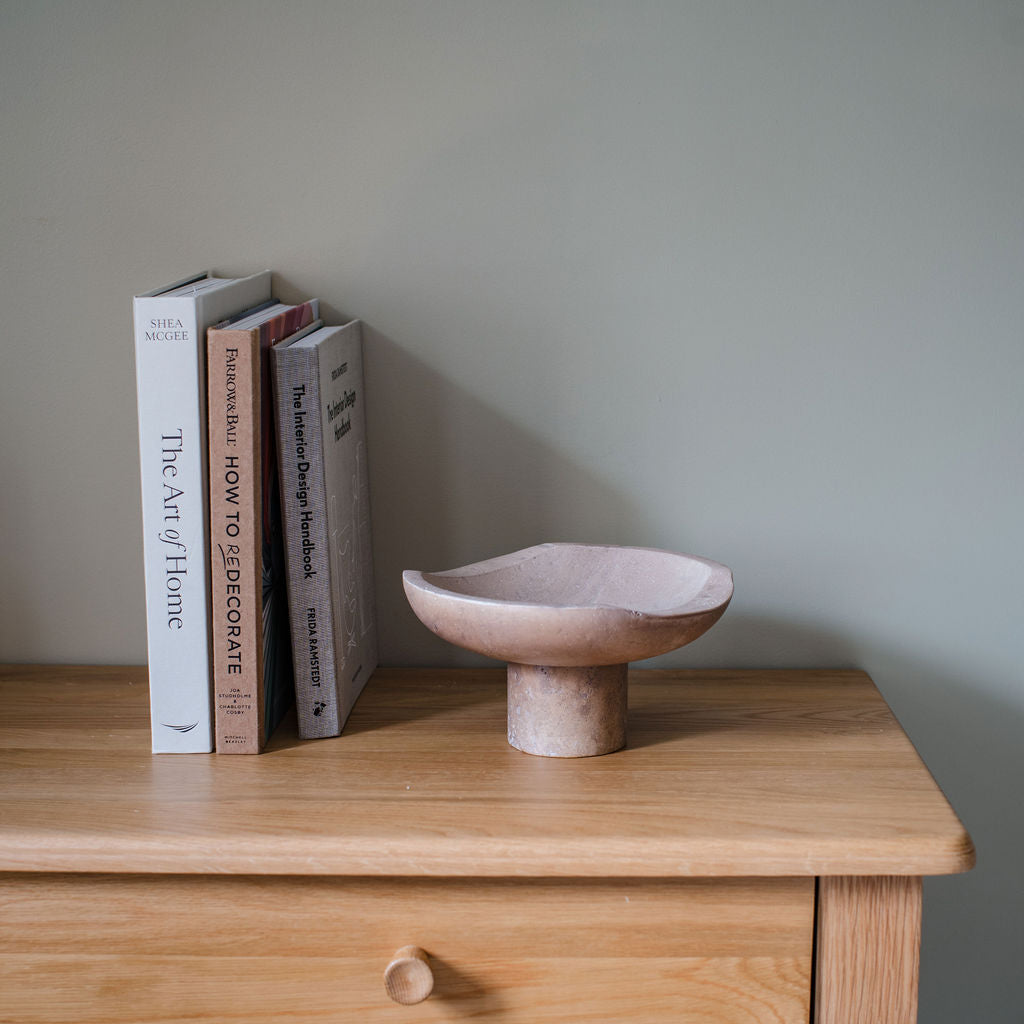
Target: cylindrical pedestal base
[567, 712]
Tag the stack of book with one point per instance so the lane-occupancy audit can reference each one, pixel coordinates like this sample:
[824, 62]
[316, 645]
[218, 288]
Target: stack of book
[255, 514]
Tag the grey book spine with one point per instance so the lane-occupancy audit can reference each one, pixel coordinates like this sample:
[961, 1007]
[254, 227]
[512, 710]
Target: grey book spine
[304, 509]
[347, 487]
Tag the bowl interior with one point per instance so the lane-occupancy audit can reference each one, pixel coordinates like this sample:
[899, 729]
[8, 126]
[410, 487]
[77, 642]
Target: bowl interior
[643, 580]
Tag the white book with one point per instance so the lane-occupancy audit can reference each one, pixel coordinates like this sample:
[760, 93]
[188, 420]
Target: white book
[170, 366]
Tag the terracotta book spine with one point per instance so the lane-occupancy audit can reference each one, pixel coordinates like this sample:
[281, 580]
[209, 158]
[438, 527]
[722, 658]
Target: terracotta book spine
[235, 556]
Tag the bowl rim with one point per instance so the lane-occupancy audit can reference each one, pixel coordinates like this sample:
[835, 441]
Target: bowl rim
[717, 590]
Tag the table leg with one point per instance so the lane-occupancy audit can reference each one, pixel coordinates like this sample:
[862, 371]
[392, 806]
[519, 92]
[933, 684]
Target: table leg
[868, 950]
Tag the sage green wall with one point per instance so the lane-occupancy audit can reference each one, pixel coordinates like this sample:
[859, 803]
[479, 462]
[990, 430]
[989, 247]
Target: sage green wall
[742, 279]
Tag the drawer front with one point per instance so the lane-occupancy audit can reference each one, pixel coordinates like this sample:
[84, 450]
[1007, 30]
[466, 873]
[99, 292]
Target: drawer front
[111, 949]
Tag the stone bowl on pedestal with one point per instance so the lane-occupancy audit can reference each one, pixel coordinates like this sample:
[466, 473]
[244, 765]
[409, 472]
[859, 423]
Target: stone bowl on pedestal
[568, 618]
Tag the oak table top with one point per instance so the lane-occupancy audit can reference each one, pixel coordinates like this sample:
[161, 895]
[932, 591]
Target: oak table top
[726, 773]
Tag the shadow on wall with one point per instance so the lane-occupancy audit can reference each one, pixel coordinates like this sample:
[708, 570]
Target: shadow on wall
[973, 944]
[973, 928]
[429, 513]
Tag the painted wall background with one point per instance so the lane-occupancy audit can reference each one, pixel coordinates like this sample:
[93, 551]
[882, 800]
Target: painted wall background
[734, 278]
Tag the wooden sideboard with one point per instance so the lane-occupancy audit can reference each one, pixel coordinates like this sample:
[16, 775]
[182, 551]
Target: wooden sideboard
[754, 855]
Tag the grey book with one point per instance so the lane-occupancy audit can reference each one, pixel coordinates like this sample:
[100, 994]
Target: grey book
[325, 502]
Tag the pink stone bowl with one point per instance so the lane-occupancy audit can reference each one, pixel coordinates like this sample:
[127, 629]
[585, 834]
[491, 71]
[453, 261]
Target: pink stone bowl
[572, 607]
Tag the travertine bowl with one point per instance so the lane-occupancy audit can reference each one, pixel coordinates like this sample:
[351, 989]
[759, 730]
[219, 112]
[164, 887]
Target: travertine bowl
[568, 618]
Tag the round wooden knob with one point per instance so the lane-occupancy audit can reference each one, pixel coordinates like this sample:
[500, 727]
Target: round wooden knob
[408, 978]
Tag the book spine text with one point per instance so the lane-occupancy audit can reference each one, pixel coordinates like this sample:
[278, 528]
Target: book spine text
[235, 558]
[169, 375]
[303, 505]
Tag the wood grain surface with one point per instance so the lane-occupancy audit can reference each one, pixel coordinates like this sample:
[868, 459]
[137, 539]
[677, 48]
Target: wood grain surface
[119, 949]
[726, 773]
[869, 940]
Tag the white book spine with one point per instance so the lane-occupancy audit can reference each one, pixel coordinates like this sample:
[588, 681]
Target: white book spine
[170, 367]
[172, 454]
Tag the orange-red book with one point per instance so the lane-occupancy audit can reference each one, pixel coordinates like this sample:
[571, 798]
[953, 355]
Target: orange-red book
[252, 664]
